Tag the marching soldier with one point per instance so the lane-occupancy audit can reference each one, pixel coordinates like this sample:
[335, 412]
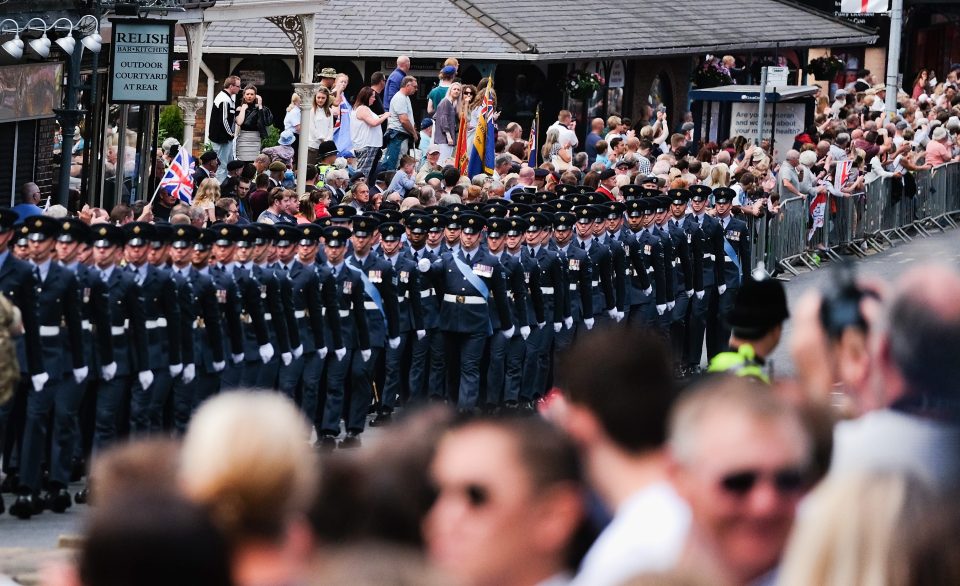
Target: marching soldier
[578, 273]
[736, 256]
[356, 352]
[427, 370]
[556, 307]
[467, 279]
[380, 302]
[687, 272]
[601, 259]
[61, 347]
[506, 354]
[705, 306]
[636, 278]
[265, 255]
[206, 327]
[228, 303]
[162, 313]
[410, 313]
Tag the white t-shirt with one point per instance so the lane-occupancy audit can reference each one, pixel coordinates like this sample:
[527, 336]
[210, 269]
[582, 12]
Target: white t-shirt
[647, 534]
[292, 119]
[322, 128]
[399, 104]
[567, 136]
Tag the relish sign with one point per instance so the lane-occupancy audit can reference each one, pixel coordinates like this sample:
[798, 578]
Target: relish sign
[142, 62]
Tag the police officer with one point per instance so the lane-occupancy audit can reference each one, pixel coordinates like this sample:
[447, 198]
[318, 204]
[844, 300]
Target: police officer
[556, 306]
[704, 306]
[506, 354]
[427, 369]
[206, 327]
[356, 352]
[162, 313]
[410, 314]
[61, 346]
[468, 280]
[736, 256]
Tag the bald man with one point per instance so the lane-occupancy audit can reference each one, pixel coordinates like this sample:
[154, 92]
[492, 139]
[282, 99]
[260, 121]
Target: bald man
[393, 82]
[525, 180]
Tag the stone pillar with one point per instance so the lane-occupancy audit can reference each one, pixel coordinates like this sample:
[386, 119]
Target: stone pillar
[190, 106]
[306, 91]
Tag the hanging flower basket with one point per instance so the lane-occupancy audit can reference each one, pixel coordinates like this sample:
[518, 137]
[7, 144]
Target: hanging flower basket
[580, 85]
[825, 68]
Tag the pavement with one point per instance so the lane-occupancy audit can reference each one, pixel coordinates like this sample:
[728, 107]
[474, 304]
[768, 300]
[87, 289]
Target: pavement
[27, 545]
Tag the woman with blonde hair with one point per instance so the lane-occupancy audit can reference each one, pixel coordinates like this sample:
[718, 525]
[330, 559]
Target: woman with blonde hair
[247, 459]
[206, 198]
[719, 176]
[291, 123]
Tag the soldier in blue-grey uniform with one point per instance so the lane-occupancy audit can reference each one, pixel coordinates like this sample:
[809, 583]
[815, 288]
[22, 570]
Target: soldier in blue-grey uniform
[736, 256]
[468, 280]
[427, 369]
[711, 245]
[687, 271]
[578, 273]
[410, 315]
[602, 286]
[228, 303]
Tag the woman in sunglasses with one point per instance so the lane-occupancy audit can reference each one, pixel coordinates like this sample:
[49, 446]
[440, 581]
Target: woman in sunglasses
[740, 459]
[509, 509]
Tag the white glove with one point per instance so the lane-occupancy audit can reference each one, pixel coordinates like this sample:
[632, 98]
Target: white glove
[108, 371]
[423, 265]
[146, 378]
[661, 309]
[589, 323]
[699, 294]
[79, 374]
[394, 342]
[542, 324]
[421, 334]
[322, 352]
[620, 316]
[39, 380]
[237, 358]
[525, 332]
[189, 373]
[298, 351]
[219, 366]
[557, 326]
[266, 352]
[722, 289]
[340, 353]
[648, 291]
[612, 313]
[286, 357]
[508, 333]
[568, 322]
[690, 293]
[671, 305]
[176, 369]
[366, 354]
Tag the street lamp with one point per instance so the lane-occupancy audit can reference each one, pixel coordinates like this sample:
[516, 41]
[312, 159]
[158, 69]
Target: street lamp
[67, 43]
[40, 46]
[13, 47]
[93, 41]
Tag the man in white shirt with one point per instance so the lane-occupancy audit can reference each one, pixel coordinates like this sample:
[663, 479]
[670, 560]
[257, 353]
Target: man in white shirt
[565, 125]
[618, 389]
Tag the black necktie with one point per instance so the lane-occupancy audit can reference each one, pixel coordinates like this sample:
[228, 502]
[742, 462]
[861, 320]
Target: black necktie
[36, 273]
[466, 255]
[583, 245]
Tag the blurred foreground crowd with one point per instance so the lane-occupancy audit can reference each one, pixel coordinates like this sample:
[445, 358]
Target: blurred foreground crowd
[845, 475]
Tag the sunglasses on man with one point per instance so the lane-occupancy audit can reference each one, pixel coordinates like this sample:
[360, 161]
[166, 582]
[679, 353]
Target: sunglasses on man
[787, 481]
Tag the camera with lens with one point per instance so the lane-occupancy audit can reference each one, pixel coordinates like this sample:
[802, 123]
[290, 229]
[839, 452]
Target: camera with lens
[840, 308]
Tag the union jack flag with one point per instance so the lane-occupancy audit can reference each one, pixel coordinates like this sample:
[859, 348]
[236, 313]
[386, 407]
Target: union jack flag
[178, 180]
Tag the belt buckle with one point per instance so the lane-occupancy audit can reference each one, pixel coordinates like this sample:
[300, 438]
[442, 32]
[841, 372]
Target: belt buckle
[461, 299]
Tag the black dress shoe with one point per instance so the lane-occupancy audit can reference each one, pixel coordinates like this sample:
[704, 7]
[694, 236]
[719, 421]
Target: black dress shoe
[327, 443]
[381, 419]
[82, 496]
[351, 441]
[10, 483]
[57, 500]
[23, 507]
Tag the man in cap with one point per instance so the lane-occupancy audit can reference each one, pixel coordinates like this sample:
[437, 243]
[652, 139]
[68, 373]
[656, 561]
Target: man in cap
[556, 305]
[618, 256]
[630, 272]
[265, 256]
[326, 155]
[451, 232]
[162, 314]
[506, 354]
[650, 306]
[608, 182]
[208, 167]
[578, 270]
[601, 286]
[380, 303]
[58, 299]
[427, 369]
[205, 328]
[736, 256]
[354, 331]
[687, 272]
[75, 237]
[253, 324]
[660, 206]
[327, 77]
[756, 323]
[410, 314]
[315, 305]
[701, 224]
[468, 279]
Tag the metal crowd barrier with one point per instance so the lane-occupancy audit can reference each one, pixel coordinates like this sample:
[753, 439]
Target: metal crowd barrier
[853, 224]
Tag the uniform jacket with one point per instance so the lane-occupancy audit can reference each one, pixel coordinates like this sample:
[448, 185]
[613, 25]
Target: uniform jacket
[353, 317]
[462, 317]
[737, 234]
[19, 286]
[128, 330]
[379, 273]
[59, 306]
